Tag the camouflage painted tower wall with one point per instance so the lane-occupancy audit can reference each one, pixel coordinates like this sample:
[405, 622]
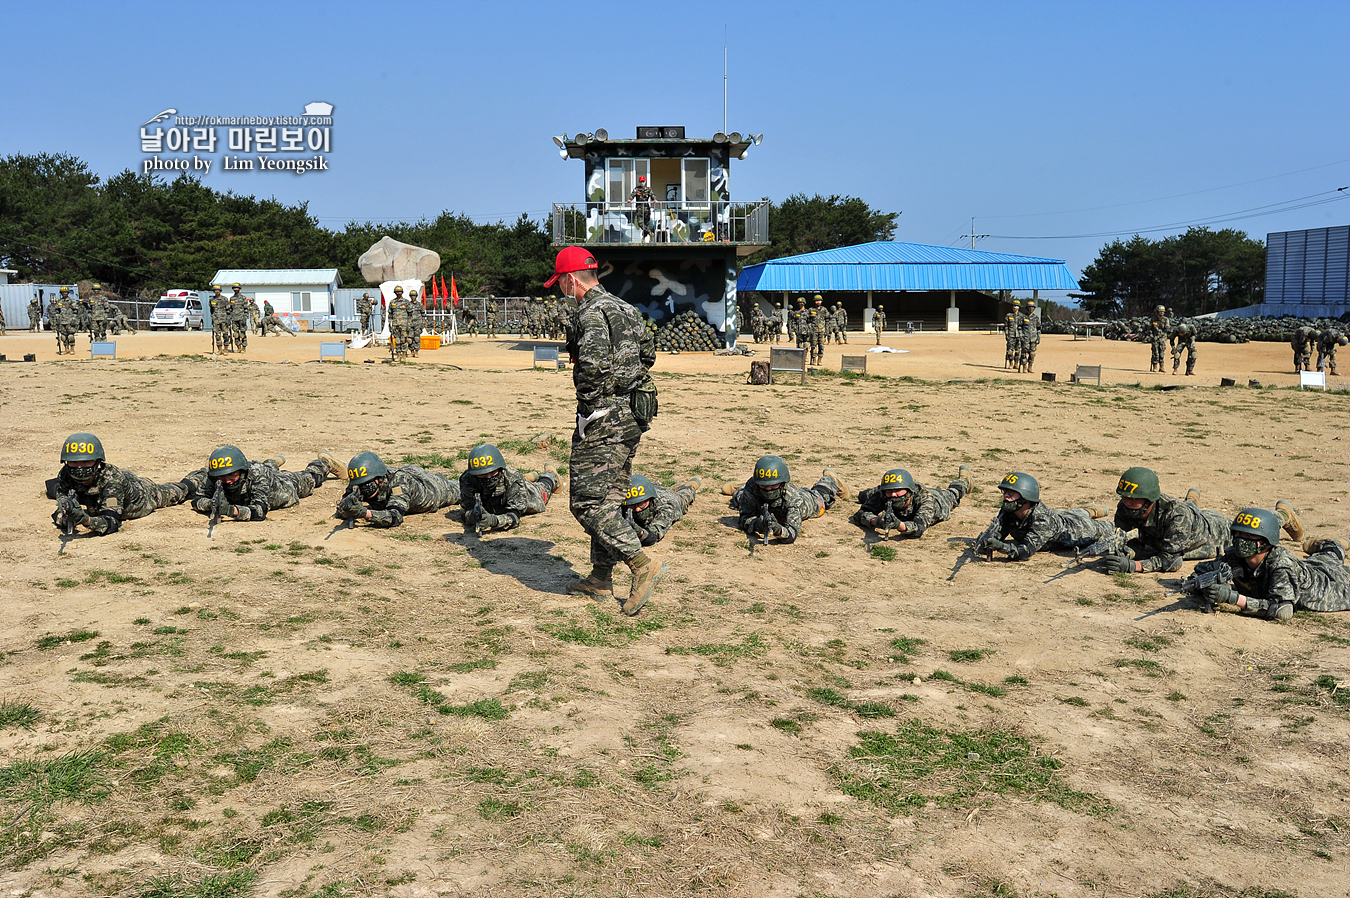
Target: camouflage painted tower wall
[682, 250]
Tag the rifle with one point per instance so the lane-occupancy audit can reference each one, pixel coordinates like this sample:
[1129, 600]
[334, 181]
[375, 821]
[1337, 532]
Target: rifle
[477, 515]
[888, 518]
[764, 517]
[1196, 584]
[1115, 544]
[216, 500]
[67, 506]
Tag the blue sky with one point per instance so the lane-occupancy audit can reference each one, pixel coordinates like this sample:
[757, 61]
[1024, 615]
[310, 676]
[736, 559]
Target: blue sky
[1039, 119]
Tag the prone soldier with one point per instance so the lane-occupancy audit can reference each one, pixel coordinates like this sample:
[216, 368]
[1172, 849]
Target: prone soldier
[495, 496]
[907, 507]
[98, 496]
[769, 504]
[1261, 577]
[251, 490]
[652, 510]
[383, 498]
[1024, 526]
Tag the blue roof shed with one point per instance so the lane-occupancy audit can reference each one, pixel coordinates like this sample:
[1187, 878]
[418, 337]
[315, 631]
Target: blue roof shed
[892, 267]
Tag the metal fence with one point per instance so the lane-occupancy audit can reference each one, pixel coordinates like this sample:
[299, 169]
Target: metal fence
[661, 222]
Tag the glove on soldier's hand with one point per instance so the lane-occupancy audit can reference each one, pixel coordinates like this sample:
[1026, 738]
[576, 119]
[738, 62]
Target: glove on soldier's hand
[1120, 564]
[202, 504]
[776, 530]
[351, 507]
[1007, 548]
[871, 520]
[1220, 594]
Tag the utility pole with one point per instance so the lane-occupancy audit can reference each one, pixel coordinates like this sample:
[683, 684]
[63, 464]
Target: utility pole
[724, 79]
[972, 235]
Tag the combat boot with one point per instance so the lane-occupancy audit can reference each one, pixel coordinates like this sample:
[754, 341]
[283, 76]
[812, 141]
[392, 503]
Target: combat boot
[966, 476]
[1289, 520]
[549, 468]
[276, 461]
[334, 466]
[1312, 545]
[1096, 512]
[1193, 495]
[645, 575]
[598, 584]
[840, 487]
[729, 489]
[694, 483]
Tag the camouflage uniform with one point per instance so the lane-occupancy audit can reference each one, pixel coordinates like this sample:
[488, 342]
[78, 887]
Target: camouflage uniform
[273, 323]
[1183, 341]
[818, 325]
[492, 322]
[1157, 332]
[1303, 336]
[3, 331]
[1326, 349]
[1031, 339]
[268, 311]
[508, 494]
[613, 351]
[665, 509]
[840, 324]
[120, 322]
[65, 321]
[115, 496]
[1319, 582]
[879, 323]
[237, 317]
[262, 488]
[1175, 531]
[220, 326]
[398, 324]
[254, 317]
[790, 506]
[642, 199]
[98, 318]
[417, 324]
[928, 507]
[1043, 528]
[408, 490]
[1012, 340]
[34, 314]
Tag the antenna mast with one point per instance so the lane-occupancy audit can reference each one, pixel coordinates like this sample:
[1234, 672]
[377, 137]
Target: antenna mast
[724, 79]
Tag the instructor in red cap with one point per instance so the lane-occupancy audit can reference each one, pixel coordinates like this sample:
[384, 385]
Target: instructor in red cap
[615, 404]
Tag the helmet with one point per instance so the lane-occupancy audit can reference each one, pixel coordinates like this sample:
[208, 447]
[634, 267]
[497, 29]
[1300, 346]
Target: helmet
[97, 287]
[1139, 483]
[640, 489]
[215, 287]
[770, 470]
[899, 479]
[817, 298]
[81, 447]
[398, 289]
[1342, 340]
[1257, 522]
[365, 466]
[412, 292]
[226, 460]
[234, 286]
[65, 290]
[486, 459]
[1023, 485]
[365, 295]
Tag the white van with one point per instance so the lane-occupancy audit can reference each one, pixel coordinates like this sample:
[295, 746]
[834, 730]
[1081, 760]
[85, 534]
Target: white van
[178, 308]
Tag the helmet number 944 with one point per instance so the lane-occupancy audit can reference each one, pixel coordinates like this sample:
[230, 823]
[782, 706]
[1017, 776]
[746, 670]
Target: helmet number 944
[79, 447]
[767, 472]
[353, 473]
[222, 462]
[481, 461]
[635, 491]
[1126, 487]
[1248, 520]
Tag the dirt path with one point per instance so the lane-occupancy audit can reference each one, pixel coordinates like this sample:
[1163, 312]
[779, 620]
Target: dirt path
[287, 707]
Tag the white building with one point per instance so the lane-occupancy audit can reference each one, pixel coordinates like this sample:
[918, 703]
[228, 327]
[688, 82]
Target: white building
[307, 293]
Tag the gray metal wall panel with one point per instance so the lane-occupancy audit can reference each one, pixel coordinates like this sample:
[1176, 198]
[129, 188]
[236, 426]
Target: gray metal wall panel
[1309, 267]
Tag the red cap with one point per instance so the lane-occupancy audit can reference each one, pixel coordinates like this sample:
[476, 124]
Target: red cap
[642, 179]
[572, 258]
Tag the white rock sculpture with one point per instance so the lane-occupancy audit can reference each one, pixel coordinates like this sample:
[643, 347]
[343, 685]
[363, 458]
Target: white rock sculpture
[390, 260]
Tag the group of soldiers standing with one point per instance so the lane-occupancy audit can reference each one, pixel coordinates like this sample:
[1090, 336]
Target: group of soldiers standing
[1327, 340]
[67, 315]
[544, 318]
[1021, 336]
[234, 316]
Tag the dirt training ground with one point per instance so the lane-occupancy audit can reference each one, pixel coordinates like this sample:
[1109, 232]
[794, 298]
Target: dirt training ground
[293, 709]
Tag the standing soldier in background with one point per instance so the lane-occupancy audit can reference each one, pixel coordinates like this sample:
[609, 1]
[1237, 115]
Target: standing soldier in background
[64, 316]
[254, 317]
[642, 199]
[82, 311]
[1012, 340]
[34, 314]
[98, 316]
[220, 328]
[879, 322]
[238, 317]
[398, 323]
[818, 325]
[3, 331]
[1031, 336]
[1183, 337]
[363, 307]
[841, 322]
[613, 354]
[492, 311]
[1326, 349]
[417, 323]
[1157, 331]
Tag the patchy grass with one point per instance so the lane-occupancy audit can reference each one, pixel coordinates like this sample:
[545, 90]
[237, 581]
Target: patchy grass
[18, 714]
[51, 641]
[603, 629]
[918, 763]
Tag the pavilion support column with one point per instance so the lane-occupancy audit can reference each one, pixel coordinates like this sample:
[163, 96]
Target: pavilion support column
[867, 315]
[783, 314]
[953, 315]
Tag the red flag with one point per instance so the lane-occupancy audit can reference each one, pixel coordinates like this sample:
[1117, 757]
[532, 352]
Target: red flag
[454, 292]
[435, 291]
